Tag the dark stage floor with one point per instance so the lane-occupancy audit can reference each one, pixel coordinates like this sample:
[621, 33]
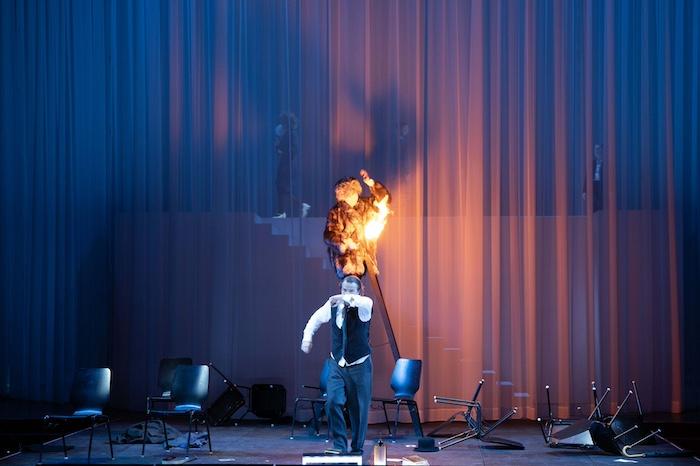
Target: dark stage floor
[259, 443]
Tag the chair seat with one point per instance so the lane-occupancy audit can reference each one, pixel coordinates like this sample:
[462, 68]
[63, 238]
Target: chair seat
[311, 400]
[81, 414]
[383, 400]
[393, 400]
[180, 409]
[188, 407]
[88, 412]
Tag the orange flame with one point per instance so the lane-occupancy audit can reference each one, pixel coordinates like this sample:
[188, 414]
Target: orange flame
[375, 226]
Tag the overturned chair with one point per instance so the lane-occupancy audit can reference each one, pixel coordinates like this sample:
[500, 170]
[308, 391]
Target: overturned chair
[405, 382]
[476, 427]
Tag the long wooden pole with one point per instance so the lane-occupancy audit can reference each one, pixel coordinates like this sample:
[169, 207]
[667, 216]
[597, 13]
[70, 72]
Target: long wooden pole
[380, 306]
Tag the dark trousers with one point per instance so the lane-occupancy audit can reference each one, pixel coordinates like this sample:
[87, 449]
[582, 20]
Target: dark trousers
[351, 385]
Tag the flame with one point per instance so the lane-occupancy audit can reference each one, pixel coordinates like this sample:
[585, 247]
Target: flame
[376, 224]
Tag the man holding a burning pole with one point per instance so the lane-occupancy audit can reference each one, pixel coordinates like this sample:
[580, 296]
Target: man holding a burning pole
[350, 364]
[354, 223]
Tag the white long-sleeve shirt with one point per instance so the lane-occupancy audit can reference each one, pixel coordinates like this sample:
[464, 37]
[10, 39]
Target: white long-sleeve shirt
[323, 314]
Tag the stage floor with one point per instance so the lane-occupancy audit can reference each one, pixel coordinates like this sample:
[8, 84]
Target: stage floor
[260, 443]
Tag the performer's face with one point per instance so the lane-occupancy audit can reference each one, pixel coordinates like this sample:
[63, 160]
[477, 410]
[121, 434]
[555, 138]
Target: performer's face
[352, 199]
[349, 288]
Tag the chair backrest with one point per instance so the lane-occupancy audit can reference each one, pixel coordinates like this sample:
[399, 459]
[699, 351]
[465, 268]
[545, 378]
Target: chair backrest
[323, 381]
[190, 384]
[405, 380]
[166, 371]
[91, 388]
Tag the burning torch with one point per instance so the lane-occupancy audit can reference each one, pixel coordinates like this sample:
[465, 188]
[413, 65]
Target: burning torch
[374, 224]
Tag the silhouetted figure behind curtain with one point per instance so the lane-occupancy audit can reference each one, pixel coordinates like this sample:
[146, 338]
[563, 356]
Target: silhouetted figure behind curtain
[286, 150]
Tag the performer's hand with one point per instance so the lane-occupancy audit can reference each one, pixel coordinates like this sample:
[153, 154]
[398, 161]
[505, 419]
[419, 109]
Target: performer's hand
[306, 346]
[336, 300]
[351, 244]
[365, 177]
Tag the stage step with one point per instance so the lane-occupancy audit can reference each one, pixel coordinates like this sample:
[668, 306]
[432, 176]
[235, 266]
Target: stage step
[306, 232]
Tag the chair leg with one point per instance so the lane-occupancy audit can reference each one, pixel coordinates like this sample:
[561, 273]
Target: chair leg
[165, 434]
[143, 444]
[109, 436]
[206, 422]
[314, 418]
[317, 418]
[189, 434]
[63, 440]
[415, 418]
[386, 417]
[294, 418]
[396, 421]
[92, 433]
[65, 449]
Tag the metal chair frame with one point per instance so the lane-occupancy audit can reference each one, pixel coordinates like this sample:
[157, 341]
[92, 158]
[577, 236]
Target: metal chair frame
[406, 400]
[192, 414]
[476, 427]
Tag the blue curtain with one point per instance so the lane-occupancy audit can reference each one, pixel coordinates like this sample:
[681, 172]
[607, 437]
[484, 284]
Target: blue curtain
[485, 118]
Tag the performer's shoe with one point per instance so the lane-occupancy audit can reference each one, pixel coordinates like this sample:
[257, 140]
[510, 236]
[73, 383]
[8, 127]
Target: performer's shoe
[282, 215]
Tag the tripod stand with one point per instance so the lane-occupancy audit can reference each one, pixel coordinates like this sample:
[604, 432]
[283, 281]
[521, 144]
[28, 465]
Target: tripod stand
[476, 427]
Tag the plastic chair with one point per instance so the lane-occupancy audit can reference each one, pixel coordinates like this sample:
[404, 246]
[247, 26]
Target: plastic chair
[189, 390]
[315, 402]
[405, 382]
[89, 395]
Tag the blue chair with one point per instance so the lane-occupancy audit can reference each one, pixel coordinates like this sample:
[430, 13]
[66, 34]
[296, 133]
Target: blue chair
[190, 389]
[316, 402]
[405, 382]
[89, 395]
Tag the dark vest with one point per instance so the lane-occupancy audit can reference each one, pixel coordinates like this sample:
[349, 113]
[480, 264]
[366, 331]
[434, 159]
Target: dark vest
[357, 335]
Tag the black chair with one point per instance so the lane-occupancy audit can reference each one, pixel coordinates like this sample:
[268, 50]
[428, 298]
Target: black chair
[405, 381]
[89, 395]
[317, 403]
[189, 390]
[166, 374]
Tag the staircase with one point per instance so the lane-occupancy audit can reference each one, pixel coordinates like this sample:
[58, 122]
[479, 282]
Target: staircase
[306, 232]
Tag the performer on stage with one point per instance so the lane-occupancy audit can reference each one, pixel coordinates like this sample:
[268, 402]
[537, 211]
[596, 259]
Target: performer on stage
[350, 377]
[346, 221]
